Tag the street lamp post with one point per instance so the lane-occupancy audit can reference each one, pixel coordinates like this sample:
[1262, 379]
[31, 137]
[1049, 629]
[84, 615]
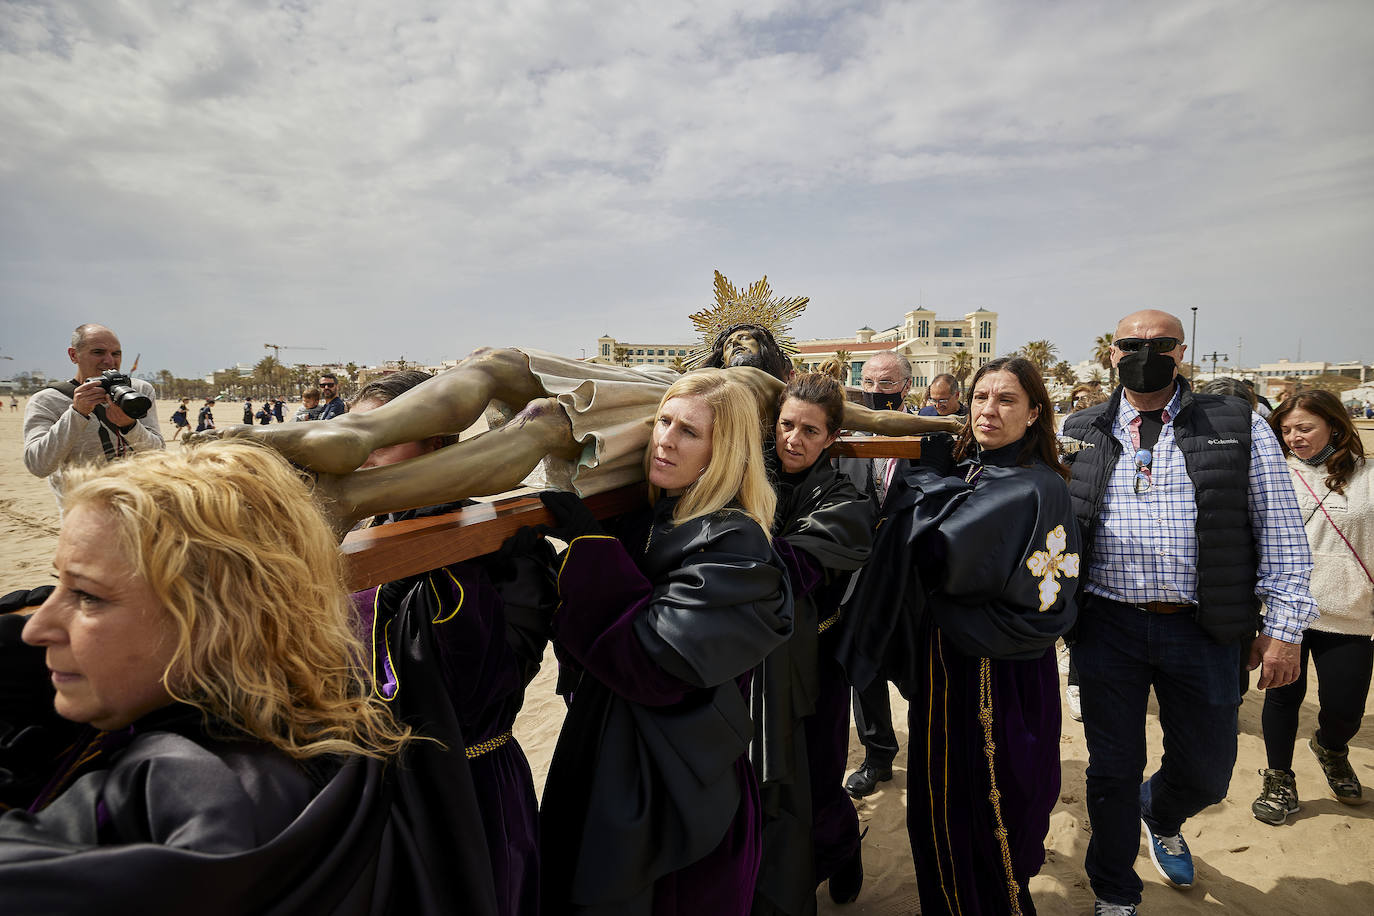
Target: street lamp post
[1192, 362]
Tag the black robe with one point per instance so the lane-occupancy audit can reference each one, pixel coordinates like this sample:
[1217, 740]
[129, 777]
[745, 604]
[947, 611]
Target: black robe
[823, 530]
[979, 570]
[169, 816]
[650, 803]
[490, 622]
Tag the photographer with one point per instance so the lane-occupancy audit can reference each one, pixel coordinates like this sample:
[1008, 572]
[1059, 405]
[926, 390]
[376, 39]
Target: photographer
[85, 419]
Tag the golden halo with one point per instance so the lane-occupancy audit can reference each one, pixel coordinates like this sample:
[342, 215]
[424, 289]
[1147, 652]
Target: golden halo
[756, 306]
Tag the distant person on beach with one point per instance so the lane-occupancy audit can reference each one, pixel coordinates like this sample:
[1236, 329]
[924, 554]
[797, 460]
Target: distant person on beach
[14, 403]
[76, 421]
[206, 418]
[277, 410]
[180, 421]
[248, 411]
[329, 388]
[264, 414]
[310, 408]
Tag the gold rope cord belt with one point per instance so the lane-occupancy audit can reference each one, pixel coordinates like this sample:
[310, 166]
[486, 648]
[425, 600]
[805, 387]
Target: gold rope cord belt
[485, 747]
[828, 622]
[994, 796]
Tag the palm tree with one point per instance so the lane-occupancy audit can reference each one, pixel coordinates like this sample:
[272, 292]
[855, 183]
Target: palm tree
[300, 377]
[1063, 373]
[165, 381]
[1095, 377]
[961, 367]
[265, 374]
[1102, 352]
[1040, 352]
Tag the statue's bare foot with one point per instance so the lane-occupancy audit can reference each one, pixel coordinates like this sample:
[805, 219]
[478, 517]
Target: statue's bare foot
[320, 445]
[340, 512]
[546, 418]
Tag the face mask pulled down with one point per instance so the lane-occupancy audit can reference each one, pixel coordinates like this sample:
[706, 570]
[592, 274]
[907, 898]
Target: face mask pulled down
[1146, 371]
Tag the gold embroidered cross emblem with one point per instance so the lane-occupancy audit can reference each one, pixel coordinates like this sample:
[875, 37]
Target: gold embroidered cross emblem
[1051, 563]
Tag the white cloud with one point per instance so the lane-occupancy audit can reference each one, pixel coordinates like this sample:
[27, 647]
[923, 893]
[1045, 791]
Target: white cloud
[589, 164]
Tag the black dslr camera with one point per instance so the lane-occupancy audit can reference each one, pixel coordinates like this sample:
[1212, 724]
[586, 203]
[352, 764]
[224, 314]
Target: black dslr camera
[121, 391]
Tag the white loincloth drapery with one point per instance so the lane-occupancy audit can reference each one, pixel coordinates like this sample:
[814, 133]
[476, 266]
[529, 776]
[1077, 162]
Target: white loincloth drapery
[611, 409]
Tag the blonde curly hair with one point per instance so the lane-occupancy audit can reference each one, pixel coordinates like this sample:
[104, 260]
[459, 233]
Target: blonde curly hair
[228, 539]
[735, 473]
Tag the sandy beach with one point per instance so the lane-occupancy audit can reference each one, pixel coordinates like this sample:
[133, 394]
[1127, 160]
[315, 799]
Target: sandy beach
[1321, 862]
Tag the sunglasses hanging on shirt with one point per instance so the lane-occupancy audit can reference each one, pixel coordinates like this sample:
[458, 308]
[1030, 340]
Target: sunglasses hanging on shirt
[1143, 459]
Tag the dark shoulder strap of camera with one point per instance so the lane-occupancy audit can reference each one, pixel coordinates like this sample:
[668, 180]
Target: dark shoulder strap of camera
[113, 447]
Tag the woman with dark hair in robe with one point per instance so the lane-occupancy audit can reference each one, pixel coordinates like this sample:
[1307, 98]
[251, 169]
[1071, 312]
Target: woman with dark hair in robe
[978, 549]
[651, 805]
[490, 619]
[822, 529]
[227, 753]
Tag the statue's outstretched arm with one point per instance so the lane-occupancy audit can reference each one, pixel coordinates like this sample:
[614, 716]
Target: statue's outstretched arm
[447, 403]
[896, 423]
[487, 464]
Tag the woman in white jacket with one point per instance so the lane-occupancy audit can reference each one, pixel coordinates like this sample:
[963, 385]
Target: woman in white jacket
[1335, 489]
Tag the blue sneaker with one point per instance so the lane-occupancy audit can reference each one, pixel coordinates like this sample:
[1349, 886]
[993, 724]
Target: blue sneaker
[1171, 857]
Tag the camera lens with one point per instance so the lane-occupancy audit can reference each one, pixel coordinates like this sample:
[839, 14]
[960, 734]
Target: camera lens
[119, 387]
[130, 401]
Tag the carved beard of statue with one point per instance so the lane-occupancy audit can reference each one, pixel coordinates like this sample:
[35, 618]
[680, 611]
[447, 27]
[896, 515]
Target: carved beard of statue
[769, 357]
[745, 358]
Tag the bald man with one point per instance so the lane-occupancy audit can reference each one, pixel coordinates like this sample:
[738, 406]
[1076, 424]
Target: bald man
[1189, 521]
[76, 421]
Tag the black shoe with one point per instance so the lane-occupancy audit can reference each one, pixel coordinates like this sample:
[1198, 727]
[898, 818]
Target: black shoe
[864, 781]
[847, 881]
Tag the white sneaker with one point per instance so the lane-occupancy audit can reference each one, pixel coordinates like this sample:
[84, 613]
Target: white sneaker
[1075, 703]
[1103, 908]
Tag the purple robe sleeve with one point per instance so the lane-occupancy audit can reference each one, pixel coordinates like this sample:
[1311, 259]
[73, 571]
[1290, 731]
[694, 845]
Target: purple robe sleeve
[601, 592]
[803, 569]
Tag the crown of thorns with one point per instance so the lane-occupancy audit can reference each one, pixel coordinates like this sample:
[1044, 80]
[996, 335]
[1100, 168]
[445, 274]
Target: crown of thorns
[755, 306]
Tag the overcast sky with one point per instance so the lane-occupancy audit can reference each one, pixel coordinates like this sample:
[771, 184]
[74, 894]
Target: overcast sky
[410, 178]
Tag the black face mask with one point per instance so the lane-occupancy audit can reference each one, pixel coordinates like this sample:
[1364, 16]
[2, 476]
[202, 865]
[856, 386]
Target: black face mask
[883, 400]
[1146, 371]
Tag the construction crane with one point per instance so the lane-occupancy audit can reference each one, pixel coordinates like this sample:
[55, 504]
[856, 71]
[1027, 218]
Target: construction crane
[277, 348]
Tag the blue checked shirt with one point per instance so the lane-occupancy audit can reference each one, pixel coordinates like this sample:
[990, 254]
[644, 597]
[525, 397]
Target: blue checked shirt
[1145, 545]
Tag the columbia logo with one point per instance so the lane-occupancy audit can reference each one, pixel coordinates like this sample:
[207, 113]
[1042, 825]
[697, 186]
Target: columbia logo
[1223, 442]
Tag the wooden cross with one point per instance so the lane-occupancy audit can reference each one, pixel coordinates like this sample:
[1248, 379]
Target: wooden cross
[376, 555]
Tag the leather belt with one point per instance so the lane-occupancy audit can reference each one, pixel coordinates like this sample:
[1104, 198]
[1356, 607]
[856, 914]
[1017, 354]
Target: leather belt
[1164, 607]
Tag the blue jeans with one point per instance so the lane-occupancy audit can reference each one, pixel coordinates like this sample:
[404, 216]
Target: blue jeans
[1121, 653]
